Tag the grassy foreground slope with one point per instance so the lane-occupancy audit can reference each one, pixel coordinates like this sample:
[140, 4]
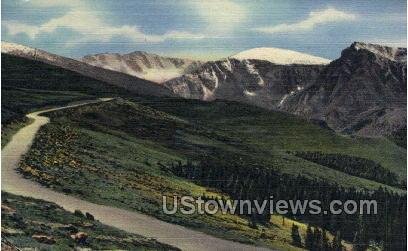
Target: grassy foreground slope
[123, 147]
[40, 225]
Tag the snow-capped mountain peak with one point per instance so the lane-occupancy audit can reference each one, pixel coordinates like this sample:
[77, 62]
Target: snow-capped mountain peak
[280, 56]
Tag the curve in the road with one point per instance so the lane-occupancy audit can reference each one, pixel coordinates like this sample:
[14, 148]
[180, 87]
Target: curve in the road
[133, 222]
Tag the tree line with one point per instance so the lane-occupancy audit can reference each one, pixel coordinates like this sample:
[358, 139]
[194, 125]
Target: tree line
[252, 182]
[355, 166]
[316, 239]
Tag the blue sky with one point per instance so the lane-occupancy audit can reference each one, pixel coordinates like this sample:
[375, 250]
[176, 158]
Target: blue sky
[206, 29]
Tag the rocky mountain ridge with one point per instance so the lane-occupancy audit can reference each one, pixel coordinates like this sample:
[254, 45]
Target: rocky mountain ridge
[363, 91]
[134, 84]
[143, 65]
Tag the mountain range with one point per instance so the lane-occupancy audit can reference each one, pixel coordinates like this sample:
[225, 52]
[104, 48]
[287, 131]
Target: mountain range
[362, 92]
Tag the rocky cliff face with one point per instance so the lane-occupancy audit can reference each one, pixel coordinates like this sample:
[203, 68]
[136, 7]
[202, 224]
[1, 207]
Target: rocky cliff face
[363, 92]
[143, 65]
[253, 81]
[134, 84]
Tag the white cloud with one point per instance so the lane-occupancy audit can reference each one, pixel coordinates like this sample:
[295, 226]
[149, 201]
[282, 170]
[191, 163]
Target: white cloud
[15, 28]
[315, 18]
[92, 27]
[221, 15]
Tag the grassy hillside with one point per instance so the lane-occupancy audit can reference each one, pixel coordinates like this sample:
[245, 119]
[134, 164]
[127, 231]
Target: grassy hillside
[120, 147]
[197, 130]
[275, 133]
[23, 218]
[28, 85]
[124, 172]
[29, 74]
[17, 102]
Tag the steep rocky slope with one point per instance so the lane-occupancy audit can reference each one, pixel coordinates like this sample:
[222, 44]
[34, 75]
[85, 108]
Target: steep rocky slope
[364, 91]
[252, 81]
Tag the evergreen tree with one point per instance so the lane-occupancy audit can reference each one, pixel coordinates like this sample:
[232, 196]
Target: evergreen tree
[309, 238]
[326, 244]
[360, 240]
[296, 239]
[336, 244]
[317, 240]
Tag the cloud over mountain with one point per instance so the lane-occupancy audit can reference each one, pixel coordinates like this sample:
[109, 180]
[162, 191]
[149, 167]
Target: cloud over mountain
[89, 24]
[315, 18]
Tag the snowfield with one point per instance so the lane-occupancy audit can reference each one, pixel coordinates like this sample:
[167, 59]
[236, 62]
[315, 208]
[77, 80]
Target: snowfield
[280, 56]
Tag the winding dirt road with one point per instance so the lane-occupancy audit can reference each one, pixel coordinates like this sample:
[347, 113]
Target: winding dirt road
[175, 235]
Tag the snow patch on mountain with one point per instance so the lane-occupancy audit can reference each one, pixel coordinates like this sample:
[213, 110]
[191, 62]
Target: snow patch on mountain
[160, 75]
[280, 56]
[143, 65]
[251, 69]
[156, 74]
[249, 93]
[290, 94]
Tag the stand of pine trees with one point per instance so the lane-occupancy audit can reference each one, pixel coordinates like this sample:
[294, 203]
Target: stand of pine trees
[355, 166]
[252, 182]
[316, 240]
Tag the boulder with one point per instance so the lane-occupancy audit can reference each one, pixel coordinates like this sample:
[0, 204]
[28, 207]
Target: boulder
[80, 237]
[44, 239]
